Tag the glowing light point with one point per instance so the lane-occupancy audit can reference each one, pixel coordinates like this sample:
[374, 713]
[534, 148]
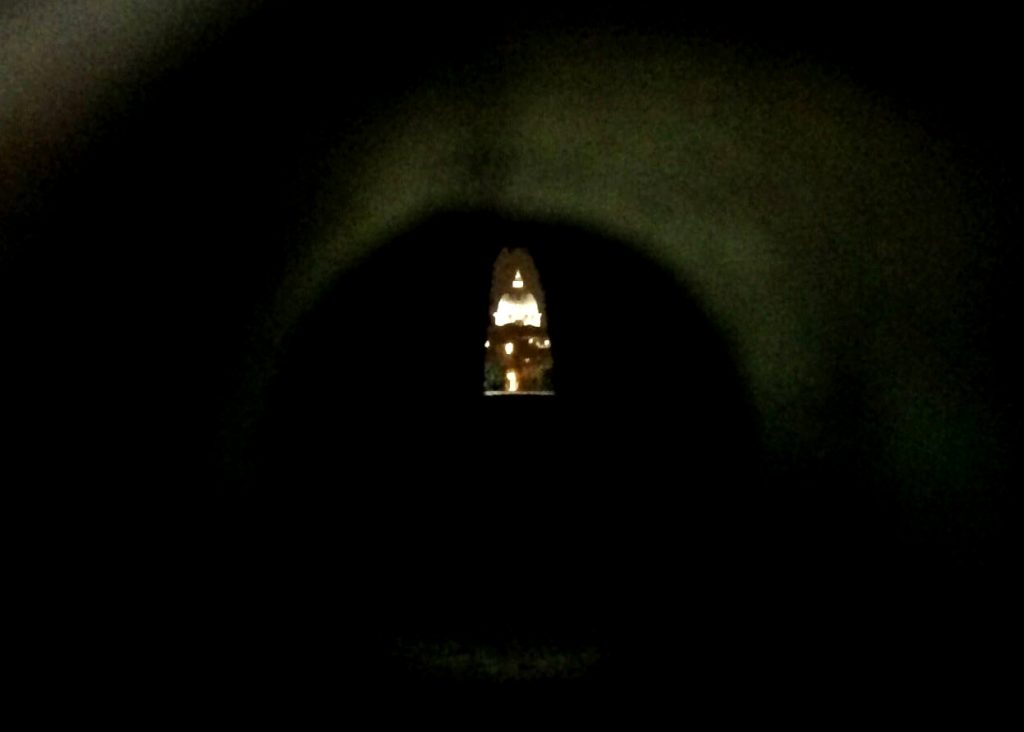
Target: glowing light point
[509, 348]
[513, 380]
[517, 283]
[487, 344]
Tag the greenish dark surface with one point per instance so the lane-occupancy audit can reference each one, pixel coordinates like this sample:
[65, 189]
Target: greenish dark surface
[215, 219]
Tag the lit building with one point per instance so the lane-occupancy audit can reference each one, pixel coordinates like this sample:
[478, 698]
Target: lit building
[518, 349]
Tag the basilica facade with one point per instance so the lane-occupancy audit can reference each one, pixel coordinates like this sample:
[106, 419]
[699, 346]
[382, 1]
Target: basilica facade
[518, 349]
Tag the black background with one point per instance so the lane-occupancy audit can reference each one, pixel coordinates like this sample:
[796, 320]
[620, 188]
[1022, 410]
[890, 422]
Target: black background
[139, 268]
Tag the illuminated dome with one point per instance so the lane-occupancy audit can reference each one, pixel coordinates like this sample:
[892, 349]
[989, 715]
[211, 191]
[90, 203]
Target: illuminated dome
[518, 308]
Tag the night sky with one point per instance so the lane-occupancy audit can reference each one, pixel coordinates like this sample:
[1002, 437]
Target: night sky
[245, 261]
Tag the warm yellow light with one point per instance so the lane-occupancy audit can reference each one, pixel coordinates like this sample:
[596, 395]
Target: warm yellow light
[517, 283]
[487, 344]
[509, 348]
[546, 343]
[531, 340]
[519, 308]
[513, 380]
